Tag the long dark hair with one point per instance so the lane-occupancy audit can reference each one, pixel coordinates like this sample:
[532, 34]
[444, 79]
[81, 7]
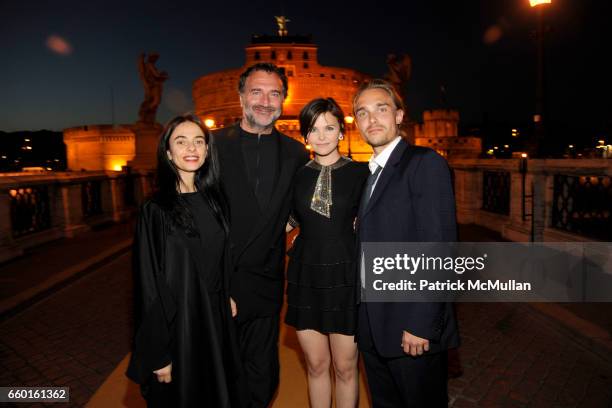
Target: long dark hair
[206, 180]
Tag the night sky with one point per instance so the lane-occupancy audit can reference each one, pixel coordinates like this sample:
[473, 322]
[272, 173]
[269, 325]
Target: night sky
[59, 60]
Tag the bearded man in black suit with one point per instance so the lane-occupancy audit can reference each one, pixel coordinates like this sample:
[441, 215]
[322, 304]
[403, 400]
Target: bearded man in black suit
[257, 167]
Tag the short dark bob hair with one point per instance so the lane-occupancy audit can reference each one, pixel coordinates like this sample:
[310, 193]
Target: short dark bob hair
[313, 109]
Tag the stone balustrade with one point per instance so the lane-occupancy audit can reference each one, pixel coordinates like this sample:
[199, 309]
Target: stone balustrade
[553, 200]
[540, 199]
[40, 207]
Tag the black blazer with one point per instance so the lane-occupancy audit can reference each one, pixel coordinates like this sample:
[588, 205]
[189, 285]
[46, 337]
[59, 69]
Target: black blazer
[413, 201]
[257, 235]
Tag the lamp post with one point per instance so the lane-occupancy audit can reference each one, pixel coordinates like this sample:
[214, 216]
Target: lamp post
[349, 122]
[538, 117]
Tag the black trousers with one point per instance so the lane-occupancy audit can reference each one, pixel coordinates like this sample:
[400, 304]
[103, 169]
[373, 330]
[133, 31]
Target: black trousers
[259, 353]
[407, 381]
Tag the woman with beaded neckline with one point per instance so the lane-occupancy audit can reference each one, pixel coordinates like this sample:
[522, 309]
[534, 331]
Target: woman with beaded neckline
[322, 279]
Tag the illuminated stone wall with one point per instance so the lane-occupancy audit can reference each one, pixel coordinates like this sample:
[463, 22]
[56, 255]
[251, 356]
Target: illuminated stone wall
[99, 147]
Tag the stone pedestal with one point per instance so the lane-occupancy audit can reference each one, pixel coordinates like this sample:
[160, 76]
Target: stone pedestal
[147, 137]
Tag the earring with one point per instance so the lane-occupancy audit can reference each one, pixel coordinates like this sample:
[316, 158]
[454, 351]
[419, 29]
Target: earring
[341, 137]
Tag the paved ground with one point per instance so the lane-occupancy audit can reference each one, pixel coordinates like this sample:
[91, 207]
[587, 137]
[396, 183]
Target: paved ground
[74, 338]
[511, 355]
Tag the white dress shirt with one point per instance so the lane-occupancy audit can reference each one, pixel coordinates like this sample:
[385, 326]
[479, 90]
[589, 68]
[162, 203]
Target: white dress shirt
[380, 159]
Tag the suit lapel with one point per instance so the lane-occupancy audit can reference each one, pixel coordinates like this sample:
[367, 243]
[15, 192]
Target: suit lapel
[386, 175]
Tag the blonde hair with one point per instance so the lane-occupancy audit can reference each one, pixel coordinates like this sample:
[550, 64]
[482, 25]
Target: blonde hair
[386, 86]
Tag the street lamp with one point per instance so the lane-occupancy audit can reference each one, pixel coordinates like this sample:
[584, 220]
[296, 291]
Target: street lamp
[538, 117]
[349, 121]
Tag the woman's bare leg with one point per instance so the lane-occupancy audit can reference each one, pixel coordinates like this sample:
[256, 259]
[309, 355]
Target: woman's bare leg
[316, 350]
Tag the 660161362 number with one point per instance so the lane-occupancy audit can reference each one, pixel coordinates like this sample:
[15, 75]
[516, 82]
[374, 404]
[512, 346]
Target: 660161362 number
[34, 394]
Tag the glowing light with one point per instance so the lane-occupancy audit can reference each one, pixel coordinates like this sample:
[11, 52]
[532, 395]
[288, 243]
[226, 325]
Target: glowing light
[535, 3]
[308, 147]
[26, 140]
[116, 164]
[601, 141]
[59, 45]
[492, 35]
[13, 193]
[506, 146]
[524, 155]
[210, 123]
[495, 147]
[349, 119]
[571, 146]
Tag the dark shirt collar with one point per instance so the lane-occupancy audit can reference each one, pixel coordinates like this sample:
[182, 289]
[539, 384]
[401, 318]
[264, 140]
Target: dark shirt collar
[245, 134]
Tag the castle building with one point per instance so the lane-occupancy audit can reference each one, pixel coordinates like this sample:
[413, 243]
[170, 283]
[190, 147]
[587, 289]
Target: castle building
[99, 147]
[216, 98]
[439, 131]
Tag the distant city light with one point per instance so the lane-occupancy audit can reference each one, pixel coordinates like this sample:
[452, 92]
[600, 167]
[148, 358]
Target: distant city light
[210, 123]
[4, 157]
[601, 141]
[495, 147]
[524, 155]
[26, 140]
[571, 146]
[506, 146]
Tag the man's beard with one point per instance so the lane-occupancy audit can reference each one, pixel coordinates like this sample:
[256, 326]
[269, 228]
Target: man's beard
[252, 121]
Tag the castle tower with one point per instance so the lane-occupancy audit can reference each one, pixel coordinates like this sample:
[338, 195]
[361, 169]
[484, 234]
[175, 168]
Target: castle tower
[216, 95]
[439, 131]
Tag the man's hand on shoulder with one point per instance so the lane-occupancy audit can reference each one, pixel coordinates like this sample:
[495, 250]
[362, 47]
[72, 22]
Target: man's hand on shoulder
[413, 345]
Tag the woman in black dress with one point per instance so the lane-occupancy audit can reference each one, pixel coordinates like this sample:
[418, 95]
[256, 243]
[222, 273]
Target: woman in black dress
[185, 351]
[322, 291]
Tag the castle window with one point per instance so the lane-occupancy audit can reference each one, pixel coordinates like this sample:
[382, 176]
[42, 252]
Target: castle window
[289, 55]
[306, 65]
[333, 76]
[322, 75]
[343, 76]
[289, 72]
[273, 55]
[257, 56]
[305, 56]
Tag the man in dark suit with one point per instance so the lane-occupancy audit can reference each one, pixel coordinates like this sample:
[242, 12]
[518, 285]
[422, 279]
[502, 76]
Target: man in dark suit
[408, 198]
[257, 167]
